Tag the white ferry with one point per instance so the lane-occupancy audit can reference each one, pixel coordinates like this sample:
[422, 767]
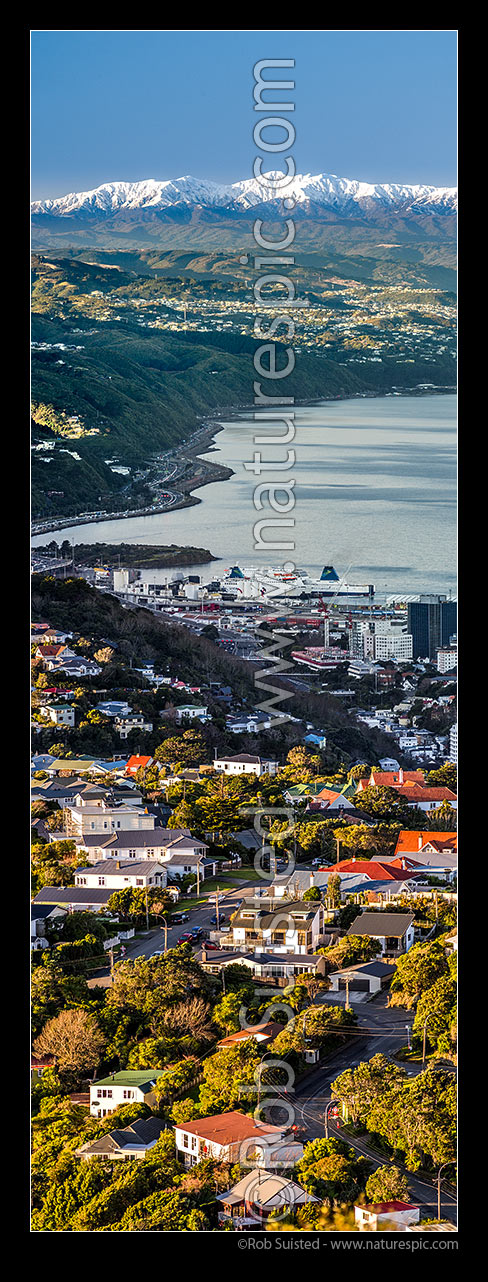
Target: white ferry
[268, 583]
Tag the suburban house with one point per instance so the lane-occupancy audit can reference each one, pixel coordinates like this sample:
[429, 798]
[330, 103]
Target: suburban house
[63, 714]
[394, 931]
[383, 1216]
[294, 927]
[425, 797]
[76, 898]
[56, 651]
[432, 852]
[280, 968]
[248, 723]
[126, 1087]
[135, 1140]
[119, 875]
[155, 843]
[377, 870]
[256, 1196]
[366, 978]
[133, 721]
[97, 816]
[114, 708]
[42, 914]
[136, 763]
[262, 1034]
[330, 799]
[235, 1137]
[245, 763]
[391, 778]
[191, 712]
[74, 667]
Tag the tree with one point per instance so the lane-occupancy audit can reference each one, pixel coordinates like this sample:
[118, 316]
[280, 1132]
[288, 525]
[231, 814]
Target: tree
[387, 1184]
[437, 1011]
[350, 950]
[361, 771]
[75, 1040]
[444, 777]
[105, 655]
[313, 892]
[384, 803]
[417, 970]
[332, 1171]
[229, 1079]
[334, 890]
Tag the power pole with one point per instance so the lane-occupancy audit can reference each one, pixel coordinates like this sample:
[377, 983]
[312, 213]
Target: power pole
[198, 877]
[147, 912]
[111, 955]
[338, 848]
[217, 907]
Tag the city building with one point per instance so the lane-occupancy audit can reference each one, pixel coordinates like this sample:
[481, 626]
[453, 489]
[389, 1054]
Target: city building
[446, 658]
[453, 744]
[432, 620]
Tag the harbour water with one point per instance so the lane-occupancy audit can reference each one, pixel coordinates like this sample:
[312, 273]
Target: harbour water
[375, 488]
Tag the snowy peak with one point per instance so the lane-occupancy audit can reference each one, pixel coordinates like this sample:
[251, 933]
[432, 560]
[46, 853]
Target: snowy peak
[307, 190]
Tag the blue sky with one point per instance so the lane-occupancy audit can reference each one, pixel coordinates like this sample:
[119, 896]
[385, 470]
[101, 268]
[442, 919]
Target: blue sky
[107, 105]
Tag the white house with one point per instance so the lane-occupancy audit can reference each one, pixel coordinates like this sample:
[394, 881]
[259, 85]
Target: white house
[158, 844]
[98, 817]
[127, 1087]
[191, 712]
[245, 763]
[394, 931]
[235, 1137]
[63, 714]
[381, 1216]
[118, 876]
[133, 721]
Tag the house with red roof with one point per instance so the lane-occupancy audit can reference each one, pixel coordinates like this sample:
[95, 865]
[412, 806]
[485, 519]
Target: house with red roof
[136, 763]
[236, 1137]
[391, 778]
[263, 1034]
[434, 852]
[378, 870]
[424, 797]
[382, 1216]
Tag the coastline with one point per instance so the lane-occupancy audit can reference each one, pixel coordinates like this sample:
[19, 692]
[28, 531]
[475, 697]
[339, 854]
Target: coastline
[202, 441]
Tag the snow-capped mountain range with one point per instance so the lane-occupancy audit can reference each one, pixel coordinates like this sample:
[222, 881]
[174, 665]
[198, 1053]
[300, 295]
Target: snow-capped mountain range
[342, 195]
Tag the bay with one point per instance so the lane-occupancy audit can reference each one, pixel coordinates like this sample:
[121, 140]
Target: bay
[375, 490]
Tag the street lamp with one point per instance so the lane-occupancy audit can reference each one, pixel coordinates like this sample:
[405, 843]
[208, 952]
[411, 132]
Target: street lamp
[423, 1042]
[331, 1104]
[439, 1173]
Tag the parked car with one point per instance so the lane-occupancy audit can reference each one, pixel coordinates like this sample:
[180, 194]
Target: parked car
[177, 919]
[210, 946]
[186, 938]
[222, 917]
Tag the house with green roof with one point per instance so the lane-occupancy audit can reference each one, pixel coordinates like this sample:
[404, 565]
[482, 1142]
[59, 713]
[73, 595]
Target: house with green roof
[125, 1087]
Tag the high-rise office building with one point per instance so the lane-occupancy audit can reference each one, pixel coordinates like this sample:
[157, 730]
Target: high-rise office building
[432, 620]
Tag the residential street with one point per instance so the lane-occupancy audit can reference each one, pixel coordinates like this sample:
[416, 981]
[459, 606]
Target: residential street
[384, 1032]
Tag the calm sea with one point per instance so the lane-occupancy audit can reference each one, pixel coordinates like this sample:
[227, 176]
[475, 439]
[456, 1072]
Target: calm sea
[375, 487]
